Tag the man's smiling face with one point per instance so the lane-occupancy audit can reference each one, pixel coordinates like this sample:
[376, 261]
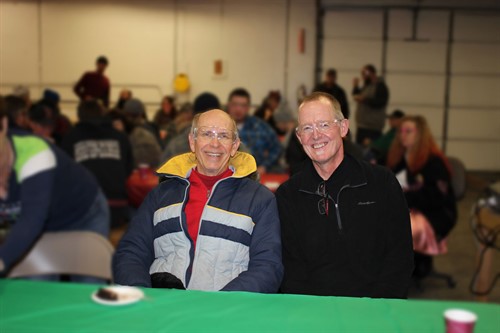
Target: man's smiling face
[320, 133]
[214, 142]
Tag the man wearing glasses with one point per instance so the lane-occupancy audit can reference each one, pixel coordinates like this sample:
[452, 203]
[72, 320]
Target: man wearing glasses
[208, 226]
[345, 223]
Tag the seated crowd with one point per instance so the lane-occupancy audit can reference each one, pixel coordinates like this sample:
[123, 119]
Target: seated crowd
[350, 221]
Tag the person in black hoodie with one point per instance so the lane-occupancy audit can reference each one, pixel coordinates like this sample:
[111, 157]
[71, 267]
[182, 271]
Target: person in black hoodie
[106, 152]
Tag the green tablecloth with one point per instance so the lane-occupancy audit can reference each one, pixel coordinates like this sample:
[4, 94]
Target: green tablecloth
[27, 306]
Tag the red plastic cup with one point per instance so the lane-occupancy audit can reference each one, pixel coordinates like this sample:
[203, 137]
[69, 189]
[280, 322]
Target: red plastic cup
[459, 321]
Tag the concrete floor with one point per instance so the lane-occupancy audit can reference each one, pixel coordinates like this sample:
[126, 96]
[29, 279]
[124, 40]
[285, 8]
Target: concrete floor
[460, 261]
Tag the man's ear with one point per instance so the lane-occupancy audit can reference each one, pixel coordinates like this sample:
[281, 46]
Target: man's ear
[298, 137]
[191, 141]
[234, 147]
[344, 127]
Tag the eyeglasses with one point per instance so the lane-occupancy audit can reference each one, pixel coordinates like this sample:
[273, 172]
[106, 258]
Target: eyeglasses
[323, 202]
[207, 134]
[321, 126]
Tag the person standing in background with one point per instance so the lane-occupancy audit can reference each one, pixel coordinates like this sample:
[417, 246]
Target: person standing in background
[95, 85]
[331, 87]
[372, 99]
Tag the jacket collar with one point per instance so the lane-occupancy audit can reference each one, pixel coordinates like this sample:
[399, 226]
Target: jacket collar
[242, 164]
[355, 174]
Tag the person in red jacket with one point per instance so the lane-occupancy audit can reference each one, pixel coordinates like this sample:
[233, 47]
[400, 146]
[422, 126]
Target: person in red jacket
[95, 85]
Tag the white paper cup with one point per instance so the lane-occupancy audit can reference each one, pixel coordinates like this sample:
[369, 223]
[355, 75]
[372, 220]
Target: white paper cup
[459, 321]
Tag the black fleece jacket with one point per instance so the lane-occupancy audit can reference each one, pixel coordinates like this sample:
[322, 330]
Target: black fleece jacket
[362, 248]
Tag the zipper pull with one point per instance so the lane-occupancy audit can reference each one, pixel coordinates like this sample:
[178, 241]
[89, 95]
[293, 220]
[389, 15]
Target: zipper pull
[339, 222]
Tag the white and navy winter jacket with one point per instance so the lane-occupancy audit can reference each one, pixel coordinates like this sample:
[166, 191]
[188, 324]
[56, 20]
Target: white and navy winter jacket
[238, 245]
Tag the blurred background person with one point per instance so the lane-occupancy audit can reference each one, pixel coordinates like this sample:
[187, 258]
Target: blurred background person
[125, 95]
[17, 112]
[257, 135]
[22, 92]
[62, 124]
[143, 136]
[104, 151]
[42, 120]
[372, 99]
[164, 120]
[267, 109]
[119, 121]
[94, 84]
[425, 176]
[380, 147]
[331, 87]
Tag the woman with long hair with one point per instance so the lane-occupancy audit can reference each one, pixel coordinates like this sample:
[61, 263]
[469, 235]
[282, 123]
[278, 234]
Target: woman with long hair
[267, 109]
[425, 176]
[164, 119]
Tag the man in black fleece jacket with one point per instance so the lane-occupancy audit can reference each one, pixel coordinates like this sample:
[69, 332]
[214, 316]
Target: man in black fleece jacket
[345, 223]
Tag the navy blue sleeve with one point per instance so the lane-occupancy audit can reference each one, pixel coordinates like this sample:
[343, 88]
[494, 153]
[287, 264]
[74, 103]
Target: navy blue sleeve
[135, 253]
[35, 201]
[265, 269]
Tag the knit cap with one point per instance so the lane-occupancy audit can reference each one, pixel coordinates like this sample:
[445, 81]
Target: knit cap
[204, 102]
[134, 107]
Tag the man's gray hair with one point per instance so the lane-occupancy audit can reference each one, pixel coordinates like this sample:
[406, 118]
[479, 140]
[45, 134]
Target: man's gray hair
[324, 97]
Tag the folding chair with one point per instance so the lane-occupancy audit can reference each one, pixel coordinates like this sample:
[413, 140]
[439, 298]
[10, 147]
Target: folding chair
[83, 253]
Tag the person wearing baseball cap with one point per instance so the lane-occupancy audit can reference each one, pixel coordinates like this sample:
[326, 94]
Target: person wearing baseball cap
[381, 146]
